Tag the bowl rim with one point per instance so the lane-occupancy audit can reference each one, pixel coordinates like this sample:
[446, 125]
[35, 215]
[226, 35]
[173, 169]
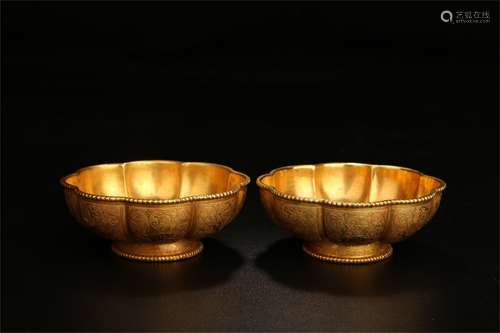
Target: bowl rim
[327, 202]
[198, 197]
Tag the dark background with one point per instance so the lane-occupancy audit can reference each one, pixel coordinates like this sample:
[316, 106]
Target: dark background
[253, 86]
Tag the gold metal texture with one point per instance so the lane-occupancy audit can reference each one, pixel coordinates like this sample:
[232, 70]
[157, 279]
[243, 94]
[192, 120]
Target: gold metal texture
[155, 210]
[350, 212]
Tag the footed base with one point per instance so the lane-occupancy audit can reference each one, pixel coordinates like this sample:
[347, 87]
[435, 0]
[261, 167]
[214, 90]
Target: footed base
[349, 253]
[182, 249]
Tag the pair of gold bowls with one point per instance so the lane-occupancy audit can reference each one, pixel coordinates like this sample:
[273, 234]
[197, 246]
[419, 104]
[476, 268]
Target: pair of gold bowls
[344, 212]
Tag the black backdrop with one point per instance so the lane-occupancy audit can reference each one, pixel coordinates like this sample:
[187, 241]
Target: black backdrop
[253, 86]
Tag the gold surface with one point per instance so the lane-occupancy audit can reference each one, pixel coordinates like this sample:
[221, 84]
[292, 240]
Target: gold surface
[350, 212]
[174, 251]
[155, 210]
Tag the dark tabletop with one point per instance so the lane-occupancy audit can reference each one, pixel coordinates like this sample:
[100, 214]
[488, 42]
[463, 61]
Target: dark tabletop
[255, 87]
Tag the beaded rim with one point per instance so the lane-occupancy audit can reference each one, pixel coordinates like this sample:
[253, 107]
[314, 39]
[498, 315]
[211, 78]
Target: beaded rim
[349, 260]
[74, 188]
[282, 195]
[175, 257]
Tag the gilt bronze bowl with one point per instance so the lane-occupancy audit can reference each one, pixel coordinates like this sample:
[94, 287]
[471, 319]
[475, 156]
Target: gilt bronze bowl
[350, 212]
[155, 210]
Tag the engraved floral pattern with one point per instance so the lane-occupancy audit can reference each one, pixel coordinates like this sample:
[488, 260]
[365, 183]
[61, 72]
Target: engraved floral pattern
[101, 218]
[297, 219]
[359, 226]
[160, 225]
[409, 219]
[213, 216]
[219, 216]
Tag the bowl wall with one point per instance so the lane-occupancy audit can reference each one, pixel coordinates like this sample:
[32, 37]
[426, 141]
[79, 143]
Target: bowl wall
[318, 222]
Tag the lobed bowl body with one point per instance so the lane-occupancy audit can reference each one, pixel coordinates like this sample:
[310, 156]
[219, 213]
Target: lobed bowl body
[350, 212]
[155, 210]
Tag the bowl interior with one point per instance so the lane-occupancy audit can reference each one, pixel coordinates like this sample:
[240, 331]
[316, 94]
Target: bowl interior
[156, 179]
[352, 182]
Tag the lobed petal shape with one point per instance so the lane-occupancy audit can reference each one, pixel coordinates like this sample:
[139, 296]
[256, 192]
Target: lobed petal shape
[155, 201]
[350, 202]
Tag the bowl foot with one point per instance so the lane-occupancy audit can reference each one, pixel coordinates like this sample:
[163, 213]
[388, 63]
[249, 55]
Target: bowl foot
[349, 253]
[179, 250]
